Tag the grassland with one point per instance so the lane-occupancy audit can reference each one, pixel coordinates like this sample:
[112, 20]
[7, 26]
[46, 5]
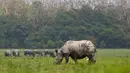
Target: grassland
[108, 61]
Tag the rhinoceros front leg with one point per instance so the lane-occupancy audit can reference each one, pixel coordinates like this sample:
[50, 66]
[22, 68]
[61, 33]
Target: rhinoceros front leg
[66, 58]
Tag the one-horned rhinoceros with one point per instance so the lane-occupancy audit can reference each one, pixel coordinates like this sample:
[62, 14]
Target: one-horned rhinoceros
[76, 50]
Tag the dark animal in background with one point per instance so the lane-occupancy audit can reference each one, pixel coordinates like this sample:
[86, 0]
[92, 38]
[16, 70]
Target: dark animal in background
[16, 53]
[7, 53]
[29, 53]
[76, 50]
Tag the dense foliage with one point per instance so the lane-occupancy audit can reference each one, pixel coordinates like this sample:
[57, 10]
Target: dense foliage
[41, 31]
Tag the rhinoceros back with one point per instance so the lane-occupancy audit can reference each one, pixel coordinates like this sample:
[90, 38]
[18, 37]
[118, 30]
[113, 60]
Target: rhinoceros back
[78, 47]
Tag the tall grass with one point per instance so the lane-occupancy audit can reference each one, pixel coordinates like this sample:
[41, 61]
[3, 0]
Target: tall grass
[108, 61]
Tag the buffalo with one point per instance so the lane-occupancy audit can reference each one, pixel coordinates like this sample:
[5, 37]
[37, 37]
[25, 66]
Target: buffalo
[76, 50]
[38, 52]
[7, 53]
[29, 53]
[16, 53]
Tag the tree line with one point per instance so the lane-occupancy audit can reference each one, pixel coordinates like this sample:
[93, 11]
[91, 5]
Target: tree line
[42, 24]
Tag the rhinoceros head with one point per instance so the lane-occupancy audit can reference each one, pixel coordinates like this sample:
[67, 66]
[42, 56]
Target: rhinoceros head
[59, 56]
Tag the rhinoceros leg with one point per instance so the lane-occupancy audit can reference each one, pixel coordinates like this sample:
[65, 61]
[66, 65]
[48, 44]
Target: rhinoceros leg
[66, 58]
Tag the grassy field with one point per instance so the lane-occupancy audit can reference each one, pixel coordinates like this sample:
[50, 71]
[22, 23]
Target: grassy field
[108, 61]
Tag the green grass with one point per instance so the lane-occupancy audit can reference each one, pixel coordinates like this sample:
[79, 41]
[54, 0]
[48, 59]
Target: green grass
[108, 61]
